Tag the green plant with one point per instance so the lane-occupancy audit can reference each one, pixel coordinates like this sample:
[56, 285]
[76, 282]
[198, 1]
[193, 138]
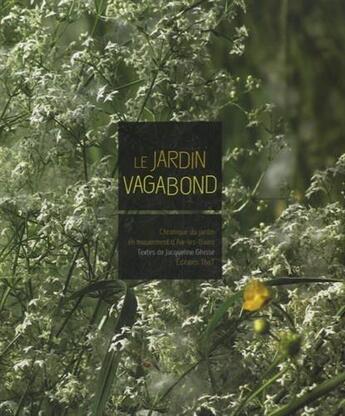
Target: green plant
[70, 70]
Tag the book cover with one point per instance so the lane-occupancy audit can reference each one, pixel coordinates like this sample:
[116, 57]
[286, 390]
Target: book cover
[172, 213]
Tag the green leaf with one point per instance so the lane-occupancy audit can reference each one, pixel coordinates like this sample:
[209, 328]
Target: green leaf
[112, 357]
[108, 290]
[317, 392]
[258, 390]
[341, 312]
[280, 281]
[100, 6]
[217, 317]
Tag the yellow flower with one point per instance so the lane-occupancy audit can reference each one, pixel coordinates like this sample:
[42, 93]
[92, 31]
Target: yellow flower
[256, 295]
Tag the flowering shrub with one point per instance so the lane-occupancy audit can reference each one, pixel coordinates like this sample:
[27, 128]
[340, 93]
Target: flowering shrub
[76, 340]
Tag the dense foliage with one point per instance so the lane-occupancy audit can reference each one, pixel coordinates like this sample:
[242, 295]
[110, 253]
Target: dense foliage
[76, 340]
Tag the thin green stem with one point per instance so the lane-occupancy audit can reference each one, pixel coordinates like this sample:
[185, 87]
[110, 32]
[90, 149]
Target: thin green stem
[258, 391]
[286, 315]
[314, 394]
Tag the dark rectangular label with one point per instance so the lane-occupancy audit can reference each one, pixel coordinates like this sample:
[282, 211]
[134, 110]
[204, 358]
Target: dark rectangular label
[170, 246]
[170, 166]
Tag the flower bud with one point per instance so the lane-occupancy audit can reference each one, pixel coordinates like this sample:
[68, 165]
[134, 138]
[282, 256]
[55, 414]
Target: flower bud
[261, 326]
[290, 344]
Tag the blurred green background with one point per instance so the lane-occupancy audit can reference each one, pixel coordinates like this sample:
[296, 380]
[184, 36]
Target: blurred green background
[296, 47]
